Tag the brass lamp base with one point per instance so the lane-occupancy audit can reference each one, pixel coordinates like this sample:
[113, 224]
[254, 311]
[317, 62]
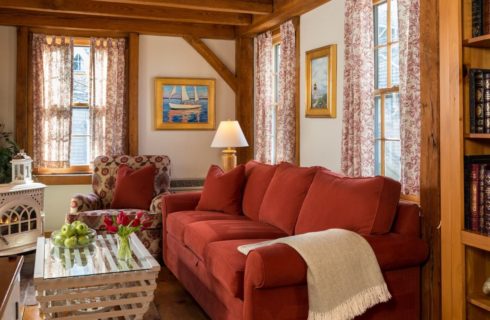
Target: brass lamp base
[228, 159]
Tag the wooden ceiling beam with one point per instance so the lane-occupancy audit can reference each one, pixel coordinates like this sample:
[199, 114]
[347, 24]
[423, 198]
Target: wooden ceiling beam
[213, 60]
[126, 10]
[242, 6]
[76, 21]
[284, 11]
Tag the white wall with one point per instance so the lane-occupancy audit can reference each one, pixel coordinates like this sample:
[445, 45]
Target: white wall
[8, 58]
[189, 151]
[320, 138]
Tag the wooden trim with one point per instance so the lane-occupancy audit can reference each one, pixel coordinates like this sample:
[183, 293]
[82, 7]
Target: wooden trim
[126, 10]
[213, 60]
[281, 14]
[78, 21]
[79, 33]
[297, 29]
[133, 71]
[21, 114]
[64, 179]
[70, 170]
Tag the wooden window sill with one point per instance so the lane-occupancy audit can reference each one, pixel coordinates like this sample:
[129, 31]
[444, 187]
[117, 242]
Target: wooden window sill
[64, 179]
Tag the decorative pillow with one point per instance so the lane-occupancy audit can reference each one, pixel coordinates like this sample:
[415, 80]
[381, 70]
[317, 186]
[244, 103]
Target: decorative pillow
[222, 192]
[284, 197]
[363, 205]
[134, 188]
[258, 176]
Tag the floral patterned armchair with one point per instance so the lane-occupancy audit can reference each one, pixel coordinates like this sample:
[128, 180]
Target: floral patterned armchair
[92, 208]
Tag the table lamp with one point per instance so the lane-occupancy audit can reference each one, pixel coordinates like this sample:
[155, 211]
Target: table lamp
[229, 135]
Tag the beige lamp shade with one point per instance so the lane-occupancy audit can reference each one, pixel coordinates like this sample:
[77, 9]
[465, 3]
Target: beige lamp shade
[229, 135]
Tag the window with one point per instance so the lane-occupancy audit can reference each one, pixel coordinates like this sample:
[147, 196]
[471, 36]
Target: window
[386, 91]
[276, 57]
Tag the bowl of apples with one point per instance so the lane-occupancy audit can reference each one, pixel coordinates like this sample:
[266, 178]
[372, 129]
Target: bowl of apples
[73, 235]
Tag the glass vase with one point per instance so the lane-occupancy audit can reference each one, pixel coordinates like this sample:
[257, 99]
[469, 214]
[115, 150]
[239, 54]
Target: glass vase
[124, 252]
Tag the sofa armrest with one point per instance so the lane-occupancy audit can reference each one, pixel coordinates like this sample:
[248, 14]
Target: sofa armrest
[81, 202]
[156, 203]
[280, 265]
[176, 202]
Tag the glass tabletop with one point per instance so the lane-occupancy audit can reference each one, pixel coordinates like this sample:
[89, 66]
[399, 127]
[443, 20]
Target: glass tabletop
[98, 258]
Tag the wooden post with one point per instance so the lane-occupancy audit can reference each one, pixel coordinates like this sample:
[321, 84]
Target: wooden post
[21, 94]
[133, 56]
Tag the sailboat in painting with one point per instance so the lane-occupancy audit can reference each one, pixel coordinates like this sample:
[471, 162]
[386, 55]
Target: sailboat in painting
[185, 102]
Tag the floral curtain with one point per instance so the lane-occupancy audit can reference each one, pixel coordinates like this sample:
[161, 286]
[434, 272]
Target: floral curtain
[410, 104]
[286, 110]
[52, 75]
[108, 111]
[358, 115]
[263, 98]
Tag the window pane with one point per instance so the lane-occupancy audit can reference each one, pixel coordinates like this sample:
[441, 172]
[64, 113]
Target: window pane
[80, 139]
[395, 69]
[81, 80]
[79, 150]
[80, 121]
[377, 157]
[380, 23]
[392, 116]
[394, 20]
[377, 117]
[392, 160]
[380, 68]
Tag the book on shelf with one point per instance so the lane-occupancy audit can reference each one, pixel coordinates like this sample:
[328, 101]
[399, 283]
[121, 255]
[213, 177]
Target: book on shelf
[479, 97]
[477, 193]
[476, 18]
[486, 16]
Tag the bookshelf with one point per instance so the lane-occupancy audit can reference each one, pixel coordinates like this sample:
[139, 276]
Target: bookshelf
[465, 254]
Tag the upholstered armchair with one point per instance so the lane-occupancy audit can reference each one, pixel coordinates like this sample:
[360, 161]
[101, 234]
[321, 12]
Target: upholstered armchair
[92, 208]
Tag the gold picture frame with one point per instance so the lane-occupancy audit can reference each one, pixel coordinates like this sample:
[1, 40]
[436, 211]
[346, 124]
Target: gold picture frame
[321, 82]
[184, 104]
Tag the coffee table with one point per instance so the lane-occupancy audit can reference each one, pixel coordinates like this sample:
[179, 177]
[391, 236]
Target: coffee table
[90, 283]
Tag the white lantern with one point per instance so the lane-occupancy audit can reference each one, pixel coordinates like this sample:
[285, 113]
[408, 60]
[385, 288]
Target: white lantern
[21, 168]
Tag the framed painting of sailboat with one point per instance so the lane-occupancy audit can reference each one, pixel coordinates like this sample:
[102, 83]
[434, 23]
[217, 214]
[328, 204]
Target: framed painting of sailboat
[184, 104]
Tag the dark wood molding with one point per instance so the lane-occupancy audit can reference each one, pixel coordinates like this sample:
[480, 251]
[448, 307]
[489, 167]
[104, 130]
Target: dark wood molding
[78, 21]
[243, 6]
[284, 11]
[430, 188]
[133, 69]
[296, 23]
[213, 60]
[21, 94]
[128, 10]
[64, 179]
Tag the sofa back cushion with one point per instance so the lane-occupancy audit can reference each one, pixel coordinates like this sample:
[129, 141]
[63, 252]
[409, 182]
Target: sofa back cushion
[258, 177]
[134, 188]
[363, 205]
[222, 191]
[285, 195]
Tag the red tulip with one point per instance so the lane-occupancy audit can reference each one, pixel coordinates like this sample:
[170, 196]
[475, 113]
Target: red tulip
[146, 223]
[111, 228]
[139, 215]
[108, 221]
[135, 223]
[122, 219]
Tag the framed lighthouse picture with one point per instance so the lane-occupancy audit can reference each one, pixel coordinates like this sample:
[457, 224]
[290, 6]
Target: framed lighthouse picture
[184, 104]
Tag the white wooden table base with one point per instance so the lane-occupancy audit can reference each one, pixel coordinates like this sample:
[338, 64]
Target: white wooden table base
[93, 284]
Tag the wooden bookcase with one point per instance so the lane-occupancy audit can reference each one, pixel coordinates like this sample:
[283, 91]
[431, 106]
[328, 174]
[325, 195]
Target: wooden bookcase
[465, 254]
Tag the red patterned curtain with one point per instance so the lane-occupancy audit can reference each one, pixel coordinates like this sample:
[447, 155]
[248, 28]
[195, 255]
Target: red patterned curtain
[263, 98]
[358, 116]
[286, 111]
[108, 108]
[410, 104]
[52, 73]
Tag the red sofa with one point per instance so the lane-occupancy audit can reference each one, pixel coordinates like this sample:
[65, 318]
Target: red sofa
[200, 247]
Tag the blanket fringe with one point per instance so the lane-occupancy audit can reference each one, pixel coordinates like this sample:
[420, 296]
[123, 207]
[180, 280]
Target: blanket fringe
[354, 306]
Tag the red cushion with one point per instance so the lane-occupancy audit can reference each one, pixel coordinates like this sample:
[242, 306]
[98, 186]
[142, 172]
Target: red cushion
[227, 264]
[258, 177]
[176, 222]
[134, 188]
[363, 205]
[285, 195]
[198, 235]
[223, 191]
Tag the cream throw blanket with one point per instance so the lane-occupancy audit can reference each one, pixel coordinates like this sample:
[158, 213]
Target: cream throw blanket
[344, 278]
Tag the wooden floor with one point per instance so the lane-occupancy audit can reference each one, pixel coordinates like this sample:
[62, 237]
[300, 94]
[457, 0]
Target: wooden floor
[171, 300]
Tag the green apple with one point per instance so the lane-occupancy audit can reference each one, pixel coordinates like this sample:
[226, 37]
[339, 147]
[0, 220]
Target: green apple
[59, 240]
[81, 229]
[83, 240]
[75, 223]
[67, 230]
[71, 242]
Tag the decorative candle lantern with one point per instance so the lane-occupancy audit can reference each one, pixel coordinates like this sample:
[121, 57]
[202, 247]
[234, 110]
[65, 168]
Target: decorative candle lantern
[21, 168]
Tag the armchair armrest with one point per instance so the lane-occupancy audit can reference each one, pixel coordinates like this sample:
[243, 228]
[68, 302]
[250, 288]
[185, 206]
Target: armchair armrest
[81, 202]
[179, 202]
[280, 265]
[156, 203]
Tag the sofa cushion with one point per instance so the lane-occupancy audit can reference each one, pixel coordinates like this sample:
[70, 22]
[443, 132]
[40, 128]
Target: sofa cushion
[222, 192]
[198, 235]
[176, 222]
[285, 195]
[363, 205]
[227, 264]
[258, 177]
[134, 188]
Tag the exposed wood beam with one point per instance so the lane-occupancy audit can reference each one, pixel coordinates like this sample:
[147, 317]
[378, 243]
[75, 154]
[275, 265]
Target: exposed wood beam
[213, 60]
[126, 10]
[243, 6]
[22, 81]
[76, 21]
[282, 13]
